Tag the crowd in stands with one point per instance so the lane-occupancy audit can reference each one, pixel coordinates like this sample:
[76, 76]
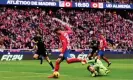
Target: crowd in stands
[19, 25]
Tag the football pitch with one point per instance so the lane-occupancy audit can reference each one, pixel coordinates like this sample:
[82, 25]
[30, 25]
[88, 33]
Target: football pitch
[121, 69]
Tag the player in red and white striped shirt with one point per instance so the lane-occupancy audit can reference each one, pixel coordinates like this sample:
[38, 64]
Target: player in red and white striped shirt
[65, 50]
[102, 46]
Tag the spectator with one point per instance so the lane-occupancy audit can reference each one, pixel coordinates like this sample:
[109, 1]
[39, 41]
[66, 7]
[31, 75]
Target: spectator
[19, 25]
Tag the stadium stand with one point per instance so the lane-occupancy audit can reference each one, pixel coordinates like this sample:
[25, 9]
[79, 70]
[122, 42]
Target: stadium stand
[18, 26]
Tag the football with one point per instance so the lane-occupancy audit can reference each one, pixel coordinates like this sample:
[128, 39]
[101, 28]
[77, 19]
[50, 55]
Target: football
[56, 74]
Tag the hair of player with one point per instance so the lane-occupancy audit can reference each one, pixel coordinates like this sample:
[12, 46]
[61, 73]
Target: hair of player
[57, 29]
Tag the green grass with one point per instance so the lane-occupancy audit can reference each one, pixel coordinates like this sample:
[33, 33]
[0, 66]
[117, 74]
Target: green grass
[121, 69]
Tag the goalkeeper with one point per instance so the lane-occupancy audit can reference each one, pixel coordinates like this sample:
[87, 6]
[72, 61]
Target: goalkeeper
[97, 68]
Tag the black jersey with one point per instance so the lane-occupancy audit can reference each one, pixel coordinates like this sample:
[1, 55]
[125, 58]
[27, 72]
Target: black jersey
[95, 44]
[40, 44]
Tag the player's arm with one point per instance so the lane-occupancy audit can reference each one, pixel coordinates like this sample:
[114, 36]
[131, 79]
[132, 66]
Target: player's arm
[91, 61]
[35, 46]
[35, 42]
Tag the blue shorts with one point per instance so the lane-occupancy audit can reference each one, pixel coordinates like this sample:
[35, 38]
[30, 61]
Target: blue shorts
[100, 53]
[67, 54]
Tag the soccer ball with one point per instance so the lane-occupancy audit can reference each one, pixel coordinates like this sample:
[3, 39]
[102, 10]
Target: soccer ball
[56, 74]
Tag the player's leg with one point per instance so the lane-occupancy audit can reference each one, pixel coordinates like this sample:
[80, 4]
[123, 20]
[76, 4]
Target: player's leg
[45, 55]
[35, 56]
[91, 54]
[57, 63]
[101, 55]
[99, 62]
[72, 60]
[106, 60]
[39, 57]
[49, 61]
[100, 68]
[103, 70]
[57, 66]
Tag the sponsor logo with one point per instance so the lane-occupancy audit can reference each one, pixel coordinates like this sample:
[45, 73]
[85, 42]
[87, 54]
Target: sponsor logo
[100, 5]
[68, 4]
[94, 5]
[118, 6]
[82, 56]
[65, 4]
[61, 3]
[10, 57]
[72, 55]
[97, 5]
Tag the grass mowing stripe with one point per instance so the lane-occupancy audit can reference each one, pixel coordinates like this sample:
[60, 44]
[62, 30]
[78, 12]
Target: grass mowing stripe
[121, 69]
[30, 73]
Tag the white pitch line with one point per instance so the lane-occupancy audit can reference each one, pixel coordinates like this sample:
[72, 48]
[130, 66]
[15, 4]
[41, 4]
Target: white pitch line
[20, 76]
[31, 72]
[23, 72]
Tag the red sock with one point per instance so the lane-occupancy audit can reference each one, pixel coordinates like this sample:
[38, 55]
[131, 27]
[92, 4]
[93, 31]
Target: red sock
[57, 66]
[106, 59]
[73, 60]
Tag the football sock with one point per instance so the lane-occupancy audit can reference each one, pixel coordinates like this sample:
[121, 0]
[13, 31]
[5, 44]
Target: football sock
[41, 59]
[51, 64]
[57, 66]
[73, 60]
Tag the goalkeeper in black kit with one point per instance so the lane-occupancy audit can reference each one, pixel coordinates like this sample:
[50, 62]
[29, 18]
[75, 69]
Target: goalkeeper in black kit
[41, 51]
[94, 45]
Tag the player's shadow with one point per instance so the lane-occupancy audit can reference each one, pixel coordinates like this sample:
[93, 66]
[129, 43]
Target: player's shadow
[96, 76]
[101, 76]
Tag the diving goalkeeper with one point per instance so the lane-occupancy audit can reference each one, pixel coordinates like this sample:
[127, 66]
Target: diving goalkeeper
[97, 68]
